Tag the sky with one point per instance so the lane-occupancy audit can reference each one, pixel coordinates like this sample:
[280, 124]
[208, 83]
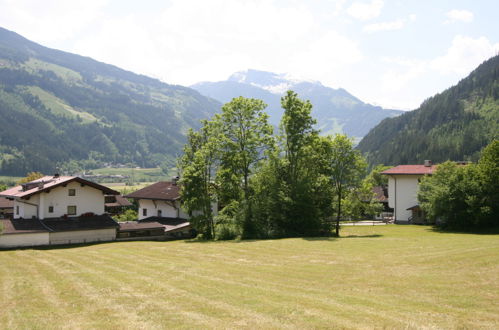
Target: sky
[391, 53]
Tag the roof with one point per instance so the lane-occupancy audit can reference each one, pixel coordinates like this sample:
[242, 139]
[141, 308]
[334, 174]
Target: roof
[47, 183]
[119, 201]
[168, 223]
[380, 194]
[6, 203]
[80, 223]
[135, 225]
[162, 190]
[410, 170]
[21, 226]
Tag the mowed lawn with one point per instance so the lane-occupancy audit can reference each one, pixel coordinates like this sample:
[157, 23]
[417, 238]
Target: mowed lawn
[374, 276]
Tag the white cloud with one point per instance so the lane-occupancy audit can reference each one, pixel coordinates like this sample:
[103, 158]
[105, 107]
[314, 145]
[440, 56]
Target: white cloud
[457, 15]
[464, 55]
[191, 41]
[50, 20]
[385, 26]
[365, 11]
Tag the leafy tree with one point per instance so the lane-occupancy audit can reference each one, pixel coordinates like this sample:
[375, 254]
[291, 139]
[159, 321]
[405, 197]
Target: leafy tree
[31, 176]
[346, 168]
[459, 196]
[198, 165]
[128, 215]
[245, 136]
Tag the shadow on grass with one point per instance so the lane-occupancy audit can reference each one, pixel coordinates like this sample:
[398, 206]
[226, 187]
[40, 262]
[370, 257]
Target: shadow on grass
[362, 236]
[473, 231]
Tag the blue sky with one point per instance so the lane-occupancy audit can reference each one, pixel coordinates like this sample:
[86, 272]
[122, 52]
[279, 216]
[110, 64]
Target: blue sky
[387, 52]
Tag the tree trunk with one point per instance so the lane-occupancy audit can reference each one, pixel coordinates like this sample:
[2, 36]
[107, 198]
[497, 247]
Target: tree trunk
[339, 214]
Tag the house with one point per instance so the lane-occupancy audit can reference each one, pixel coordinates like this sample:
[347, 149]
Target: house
[403, 185]
[116, 204]
[57, 210]
[161, 199]
[159, 207]
[381, 196]
[6, 208]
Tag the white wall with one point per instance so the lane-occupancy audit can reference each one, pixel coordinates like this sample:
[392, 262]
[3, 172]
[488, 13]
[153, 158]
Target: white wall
[82, 236]
[167, 209]
[87, 199]
[26, 208]
[402, 194]
[27, 239]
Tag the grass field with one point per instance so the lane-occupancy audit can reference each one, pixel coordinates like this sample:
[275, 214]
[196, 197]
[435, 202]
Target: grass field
[137, 174]
[373, 277]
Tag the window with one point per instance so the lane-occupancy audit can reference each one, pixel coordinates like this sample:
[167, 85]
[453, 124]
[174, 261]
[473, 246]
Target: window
[144, 212]
[72, 210]
[17, 210]
[159, 213]
[71, 192]
[51, 209]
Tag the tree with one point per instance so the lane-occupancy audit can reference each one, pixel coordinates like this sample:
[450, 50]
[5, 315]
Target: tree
[31, 176]
[463, 197]
[346, 168]
[245, 136]
[198, 166]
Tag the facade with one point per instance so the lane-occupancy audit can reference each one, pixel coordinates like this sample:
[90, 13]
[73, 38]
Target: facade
[403, 185]
[57, 210]
[161, 199]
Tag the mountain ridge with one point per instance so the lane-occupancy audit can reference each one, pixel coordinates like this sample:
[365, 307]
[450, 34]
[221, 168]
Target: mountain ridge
[87, 111]
[453, 125]
[336, 110]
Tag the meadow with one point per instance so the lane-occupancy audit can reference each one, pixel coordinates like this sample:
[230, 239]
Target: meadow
[372, 277]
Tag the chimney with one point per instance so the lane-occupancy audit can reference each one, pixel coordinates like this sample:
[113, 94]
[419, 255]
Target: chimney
[427, 163]
[56, 175]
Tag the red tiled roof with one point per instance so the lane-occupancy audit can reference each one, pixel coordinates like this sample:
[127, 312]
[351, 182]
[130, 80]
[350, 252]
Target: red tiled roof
[162, 190]
[6, 203]
[50, 182]
[410, 170]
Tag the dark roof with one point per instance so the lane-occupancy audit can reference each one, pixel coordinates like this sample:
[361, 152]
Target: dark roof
[118, 201]
[80, 223]
[22, 226]
[135, 225]
[6, 203]
[381, 194]
[168, 223]
[415, 207]
[410, 170]
[162, 190]
[49, 182]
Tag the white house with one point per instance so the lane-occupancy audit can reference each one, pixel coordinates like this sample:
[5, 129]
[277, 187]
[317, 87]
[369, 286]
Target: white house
[57, 210]
[403, 185]
[161, 199]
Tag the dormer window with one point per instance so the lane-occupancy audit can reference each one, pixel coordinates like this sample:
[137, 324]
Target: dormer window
[71, 192]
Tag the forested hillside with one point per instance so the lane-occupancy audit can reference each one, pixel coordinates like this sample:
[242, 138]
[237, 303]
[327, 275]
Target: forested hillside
[336, 110]
[453, 125]
[56, 106]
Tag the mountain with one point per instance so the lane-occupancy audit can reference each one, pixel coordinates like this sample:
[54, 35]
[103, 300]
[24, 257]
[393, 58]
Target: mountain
[453, 125]
[336, 110]
[56, 107]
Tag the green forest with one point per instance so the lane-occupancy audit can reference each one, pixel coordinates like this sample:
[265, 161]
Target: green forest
[56, 107]
[453, 125]
[294, 182]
